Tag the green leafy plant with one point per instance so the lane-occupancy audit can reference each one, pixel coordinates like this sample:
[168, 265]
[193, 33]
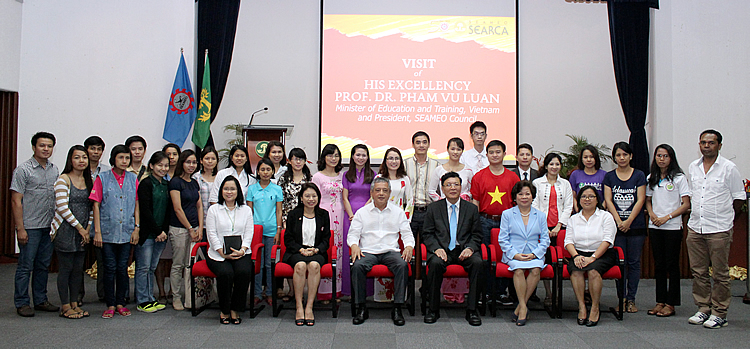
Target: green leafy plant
[237, 140]
[570, 158]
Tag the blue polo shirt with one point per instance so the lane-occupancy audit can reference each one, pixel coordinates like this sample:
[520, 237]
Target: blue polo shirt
[264, 205]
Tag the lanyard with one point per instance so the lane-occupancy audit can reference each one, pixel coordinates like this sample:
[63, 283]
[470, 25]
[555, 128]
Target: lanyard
[232, 218]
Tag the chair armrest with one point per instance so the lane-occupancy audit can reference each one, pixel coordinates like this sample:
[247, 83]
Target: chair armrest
[485, 254]
[620, 255]
[333, 255]
[423, 249]
[274, 251]
[256, 250]
[198, 245]
[492, 253]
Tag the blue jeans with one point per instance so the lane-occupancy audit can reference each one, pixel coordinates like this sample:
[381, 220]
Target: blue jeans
[632, 246]
[146, 259]
[116, 280]
[266, 263]
[501, 284]
[34, 256]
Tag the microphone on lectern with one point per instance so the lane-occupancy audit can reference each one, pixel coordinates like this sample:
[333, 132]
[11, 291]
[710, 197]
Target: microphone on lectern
[253, 115]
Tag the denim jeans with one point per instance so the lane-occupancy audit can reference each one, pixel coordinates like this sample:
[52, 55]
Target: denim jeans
[146, 259]
[266, 263]
[632, 246]
[34, 256]
[116, 280]
[501, 284]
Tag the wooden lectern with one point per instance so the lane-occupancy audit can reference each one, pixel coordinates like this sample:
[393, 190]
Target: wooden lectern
[257, 138]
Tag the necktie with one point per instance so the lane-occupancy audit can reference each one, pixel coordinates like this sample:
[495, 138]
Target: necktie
[526, 176]
[454, 227]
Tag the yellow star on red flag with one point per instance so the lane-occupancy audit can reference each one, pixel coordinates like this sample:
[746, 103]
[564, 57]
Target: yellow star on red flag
[497, 196]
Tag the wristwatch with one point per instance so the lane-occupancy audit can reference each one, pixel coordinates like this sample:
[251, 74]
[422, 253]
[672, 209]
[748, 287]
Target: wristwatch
[593, 255]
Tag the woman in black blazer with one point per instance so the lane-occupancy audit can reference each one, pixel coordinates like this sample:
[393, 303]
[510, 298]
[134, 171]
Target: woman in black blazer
[308, 230]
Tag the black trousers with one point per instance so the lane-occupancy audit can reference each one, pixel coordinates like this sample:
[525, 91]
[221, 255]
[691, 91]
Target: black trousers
[473, 265]
[70, 275]
[666, 245]
[232, 282]
[395, 264]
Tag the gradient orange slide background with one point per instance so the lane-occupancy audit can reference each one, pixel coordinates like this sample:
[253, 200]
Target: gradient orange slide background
[435, 68]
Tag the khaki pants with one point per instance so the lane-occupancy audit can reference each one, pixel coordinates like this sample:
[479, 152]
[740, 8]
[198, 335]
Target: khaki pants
[180, 238]
[706, 250]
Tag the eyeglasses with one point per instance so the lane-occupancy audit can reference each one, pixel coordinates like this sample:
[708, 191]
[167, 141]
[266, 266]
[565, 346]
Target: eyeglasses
[452, 185]
[588, 197]
[393, 159]
[662, 156]
[479, 134]
[296, 159]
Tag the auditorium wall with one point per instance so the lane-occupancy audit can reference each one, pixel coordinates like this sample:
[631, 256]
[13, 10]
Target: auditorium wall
[10, 44]
[107, 67]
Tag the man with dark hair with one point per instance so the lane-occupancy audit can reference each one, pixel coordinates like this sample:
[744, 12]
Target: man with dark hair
[137, 146]
[373, 239]
[476, 158]
[95, 148]
[453, 235]
[33, 205]
[525, 155]
[490, 191]
[419, 168]
[718, 195]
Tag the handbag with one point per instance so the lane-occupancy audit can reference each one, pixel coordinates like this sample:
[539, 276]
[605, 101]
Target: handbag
[205, 288]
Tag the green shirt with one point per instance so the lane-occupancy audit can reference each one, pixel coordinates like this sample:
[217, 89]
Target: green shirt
[160, 201]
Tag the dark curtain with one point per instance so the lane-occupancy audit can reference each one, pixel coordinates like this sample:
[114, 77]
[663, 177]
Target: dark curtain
[8, 138]
[217, 25]
[629, 22]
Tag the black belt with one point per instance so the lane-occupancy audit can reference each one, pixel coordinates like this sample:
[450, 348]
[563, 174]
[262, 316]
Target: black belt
[420, 208]
[494, 217]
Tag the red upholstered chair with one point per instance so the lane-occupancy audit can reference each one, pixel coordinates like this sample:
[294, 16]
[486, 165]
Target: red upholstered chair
[617, 272]
[381, 271]
[198, 267]
[500, 270]
[452, 271]
[284, 270]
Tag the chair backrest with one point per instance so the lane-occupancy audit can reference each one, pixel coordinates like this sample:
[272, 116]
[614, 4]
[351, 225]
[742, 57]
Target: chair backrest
[561, 243]
[494, 233]
[257, 235]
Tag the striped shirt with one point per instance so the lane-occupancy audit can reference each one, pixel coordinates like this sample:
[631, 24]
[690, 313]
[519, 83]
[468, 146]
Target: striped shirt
[62, 211]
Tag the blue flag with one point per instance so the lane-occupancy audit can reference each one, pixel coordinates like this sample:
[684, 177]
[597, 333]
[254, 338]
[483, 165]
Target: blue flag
[181, 109]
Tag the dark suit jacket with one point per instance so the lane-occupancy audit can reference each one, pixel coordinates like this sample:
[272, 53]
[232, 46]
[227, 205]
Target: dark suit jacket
[293, 233]
[532, 172]
[436, 232]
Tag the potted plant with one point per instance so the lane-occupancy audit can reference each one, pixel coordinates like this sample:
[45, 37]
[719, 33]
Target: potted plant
[570, 158]
[236, 140]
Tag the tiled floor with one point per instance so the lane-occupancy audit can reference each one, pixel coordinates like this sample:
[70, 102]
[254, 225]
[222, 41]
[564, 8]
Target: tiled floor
[169, 328]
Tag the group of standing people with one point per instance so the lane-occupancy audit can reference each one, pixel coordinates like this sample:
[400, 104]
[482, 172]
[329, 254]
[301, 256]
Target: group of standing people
[179, 197]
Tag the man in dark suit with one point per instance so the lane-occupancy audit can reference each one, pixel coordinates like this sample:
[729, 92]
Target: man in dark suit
[525, 155]
[452, 234]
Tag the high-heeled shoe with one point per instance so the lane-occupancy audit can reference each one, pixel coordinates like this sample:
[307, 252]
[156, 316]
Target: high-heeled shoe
[592, 323]
[582, 322]
[514, 317]
[522, 322]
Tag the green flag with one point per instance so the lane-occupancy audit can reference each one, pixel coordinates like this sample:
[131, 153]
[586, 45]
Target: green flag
[202, 127]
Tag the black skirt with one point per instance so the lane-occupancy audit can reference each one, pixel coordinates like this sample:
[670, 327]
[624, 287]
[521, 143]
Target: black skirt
[601, 264]
[295, 258]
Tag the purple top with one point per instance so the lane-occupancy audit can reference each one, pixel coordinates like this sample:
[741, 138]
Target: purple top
[359, 192]
[579, 179]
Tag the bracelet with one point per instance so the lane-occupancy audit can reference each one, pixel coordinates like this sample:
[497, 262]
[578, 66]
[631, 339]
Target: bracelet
[670, 216]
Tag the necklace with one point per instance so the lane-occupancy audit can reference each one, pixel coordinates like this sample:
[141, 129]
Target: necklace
[524, 215]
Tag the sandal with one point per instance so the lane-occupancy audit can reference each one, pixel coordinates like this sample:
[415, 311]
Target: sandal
[108, 314]
[224, 320]
[82, 312]
[631, 308]
[666, 311]
[286, 298]
[123, 311]
[236, 321]
[71, 314]
[656, 309]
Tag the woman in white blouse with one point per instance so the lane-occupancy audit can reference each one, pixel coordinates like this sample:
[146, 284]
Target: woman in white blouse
[232, 266]
[306, 239]
[589, 240]
[550, 185]
[239, 167]
[455, 150]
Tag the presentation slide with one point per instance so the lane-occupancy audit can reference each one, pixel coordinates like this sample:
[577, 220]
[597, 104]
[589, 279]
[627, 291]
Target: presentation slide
[385, 77]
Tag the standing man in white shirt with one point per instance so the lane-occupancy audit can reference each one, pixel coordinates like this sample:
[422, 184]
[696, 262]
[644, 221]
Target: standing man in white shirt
[373, 239]
[718, 194]
[476, 158]
[419, 168]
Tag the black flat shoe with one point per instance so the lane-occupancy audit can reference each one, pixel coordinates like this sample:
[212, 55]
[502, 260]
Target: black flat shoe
[236, 321]
[431, 317]
[300, 322]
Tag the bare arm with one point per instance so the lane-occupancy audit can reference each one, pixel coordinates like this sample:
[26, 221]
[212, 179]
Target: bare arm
[16, 200]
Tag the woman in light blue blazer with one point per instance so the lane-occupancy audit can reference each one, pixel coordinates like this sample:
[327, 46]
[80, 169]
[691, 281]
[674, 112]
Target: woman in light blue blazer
[524, 240]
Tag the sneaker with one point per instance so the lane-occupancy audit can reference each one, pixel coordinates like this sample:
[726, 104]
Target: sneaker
[505, 300]
[147, 307]
[698, 319]
[177, 305]
[158, 305]
[715, 322]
